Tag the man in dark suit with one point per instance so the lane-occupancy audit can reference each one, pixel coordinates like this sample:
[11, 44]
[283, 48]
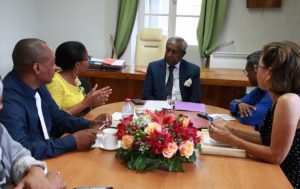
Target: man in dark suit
[173, 76]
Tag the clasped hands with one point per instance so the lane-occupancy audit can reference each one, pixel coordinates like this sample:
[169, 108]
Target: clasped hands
[245, 109]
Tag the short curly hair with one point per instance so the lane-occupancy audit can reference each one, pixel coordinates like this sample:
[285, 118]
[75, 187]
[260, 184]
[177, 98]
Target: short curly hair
[284, 60]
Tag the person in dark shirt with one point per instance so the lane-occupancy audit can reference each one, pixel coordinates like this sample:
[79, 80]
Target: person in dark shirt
[252, 108]
[18, 167]
[173, 77]
[40, 129]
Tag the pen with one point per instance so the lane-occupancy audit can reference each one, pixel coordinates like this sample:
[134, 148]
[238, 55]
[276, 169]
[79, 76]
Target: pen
[102, 126]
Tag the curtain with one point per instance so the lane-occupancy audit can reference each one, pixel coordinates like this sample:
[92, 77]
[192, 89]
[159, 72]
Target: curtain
[126, 17]
[210, 25]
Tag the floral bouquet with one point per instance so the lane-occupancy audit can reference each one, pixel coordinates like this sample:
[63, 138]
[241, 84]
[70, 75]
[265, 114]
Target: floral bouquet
[158, 140]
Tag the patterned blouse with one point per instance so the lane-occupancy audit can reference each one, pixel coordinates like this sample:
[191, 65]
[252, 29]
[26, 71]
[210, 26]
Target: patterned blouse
[291, 164]
[65, 94]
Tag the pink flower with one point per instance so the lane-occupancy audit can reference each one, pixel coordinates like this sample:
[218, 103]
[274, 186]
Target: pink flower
[170, 150]
[153, 126]
[186, 148]
[127, 141]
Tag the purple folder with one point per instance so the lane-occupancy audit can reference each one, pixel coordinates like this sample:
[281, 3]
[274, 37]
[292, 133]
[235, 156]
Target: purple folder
[190, 106]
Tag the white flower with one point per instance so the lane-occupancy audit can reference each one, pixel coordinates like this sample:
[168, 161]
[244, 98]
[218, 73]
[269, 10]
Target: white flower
[188, 82]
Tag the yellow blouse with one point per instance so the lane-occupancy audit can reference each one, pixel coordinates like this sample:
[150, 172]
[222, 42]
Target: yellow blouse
[65, 94]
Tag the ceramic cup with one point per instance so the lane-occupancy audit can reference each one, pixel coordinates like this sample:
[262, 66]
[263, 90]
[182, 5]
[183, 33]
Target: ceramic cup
[109, 139]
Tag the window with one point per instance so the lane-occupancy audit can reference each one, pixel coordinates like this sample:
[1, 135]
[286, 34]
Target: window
[174, 17]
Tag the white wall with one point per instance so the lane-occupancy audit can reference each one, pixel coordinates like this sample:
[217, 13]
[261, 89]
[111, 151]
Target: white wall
[250, 29]
[56, 21]
[92, 21]
[17, 21]
[88, 21]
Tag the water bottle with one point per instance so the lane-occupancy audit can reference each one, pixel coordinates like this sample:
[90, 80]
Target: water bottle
[128, 108]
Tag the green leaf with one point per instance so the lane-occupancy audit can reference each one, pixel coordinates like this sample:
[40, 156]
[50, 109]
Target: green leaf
[140, 163]
[130, 164]
[179, 165]
[172, 164]
[153, 165]
[193, 157]
[198, 146]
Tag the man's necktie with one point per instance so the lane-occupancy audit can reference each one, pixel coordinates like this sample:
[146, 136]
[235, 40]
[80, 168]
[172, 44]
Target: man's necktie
[41, 116]
[169, 85]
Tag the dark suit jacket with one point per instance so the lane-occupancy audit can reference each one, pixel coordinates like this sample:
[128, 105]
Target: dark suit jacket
[154, 85]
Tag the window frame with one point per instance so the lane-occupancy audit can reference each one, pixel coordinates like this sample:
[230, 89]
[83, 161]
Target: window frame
[171, 16]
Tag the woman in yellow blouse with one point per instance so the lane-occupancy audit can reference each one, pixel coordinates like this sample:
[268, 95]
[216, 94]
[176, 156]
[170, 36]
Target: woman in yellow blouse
[66, 88]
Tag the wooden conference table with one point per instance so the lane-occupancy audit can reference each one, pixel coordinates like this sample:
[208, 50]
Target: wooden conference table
[219, 86]
[97, 167]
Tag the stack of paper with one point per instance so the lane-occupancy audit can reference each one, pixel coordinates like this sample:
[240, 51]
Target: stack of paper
[107, 64]
[213, 147]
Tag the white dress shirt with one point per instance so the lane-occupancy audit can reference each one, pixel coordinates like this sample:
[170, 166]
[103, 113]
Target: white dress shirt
[176, 95]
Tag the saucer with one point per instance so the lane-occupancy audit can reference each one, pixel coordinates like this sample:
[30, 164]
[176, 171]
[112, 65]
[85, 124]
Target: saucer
[110, 148]
[98, 144]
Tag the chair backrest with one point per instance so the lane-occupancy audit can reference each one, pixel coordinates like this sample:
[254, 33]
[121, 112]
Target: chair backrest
[150, 46]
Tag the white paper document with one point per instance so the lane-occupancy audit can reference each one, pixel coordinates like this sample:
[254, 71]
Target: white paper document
[213, 147]
[156, 105]
[225, 117]
[209, 141]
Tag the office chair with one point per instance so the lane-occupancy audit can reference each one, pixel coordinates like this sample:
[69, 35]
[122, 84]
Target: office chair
[150, 46]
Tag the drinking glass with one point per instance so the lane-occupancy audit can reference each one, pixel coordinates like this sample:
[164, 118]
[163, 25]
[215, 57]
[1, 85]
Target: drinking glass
[171, 101]
[140, 111]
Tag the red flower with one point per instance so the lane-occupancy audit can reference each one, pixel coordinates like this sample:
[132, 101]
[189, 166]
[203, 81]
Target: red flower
[162, 117]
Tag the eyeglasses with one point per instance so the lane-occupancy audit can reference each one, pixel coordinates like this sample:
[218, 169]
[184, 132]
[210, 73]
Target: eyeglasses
[255, 68]
[88, 59]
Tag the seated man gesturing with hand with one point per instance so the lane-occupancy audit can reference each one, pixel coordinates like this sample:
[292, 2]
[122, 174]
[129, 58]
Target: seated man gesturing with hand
[30, 114]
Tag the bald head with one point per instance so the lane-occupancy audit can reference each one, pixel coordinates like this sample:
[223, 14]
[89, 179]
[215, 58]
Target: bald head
[27, 52]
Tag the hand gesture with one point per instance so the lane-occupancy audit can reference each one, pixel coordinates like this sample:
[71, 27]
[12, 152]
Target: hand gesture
[85, 138]
[245, 109]
[102, 97]
[96, 97]
[101, 121]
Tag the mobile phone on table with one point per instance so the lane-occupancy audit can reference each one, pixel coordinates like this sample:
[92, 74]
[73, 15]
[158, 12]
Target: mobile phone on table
[137, 101]
[205, 116]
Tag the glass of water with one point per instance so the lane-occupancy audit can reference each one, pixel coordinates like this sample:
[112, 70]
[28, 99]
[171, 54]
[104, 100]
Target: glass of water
[171, 101]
